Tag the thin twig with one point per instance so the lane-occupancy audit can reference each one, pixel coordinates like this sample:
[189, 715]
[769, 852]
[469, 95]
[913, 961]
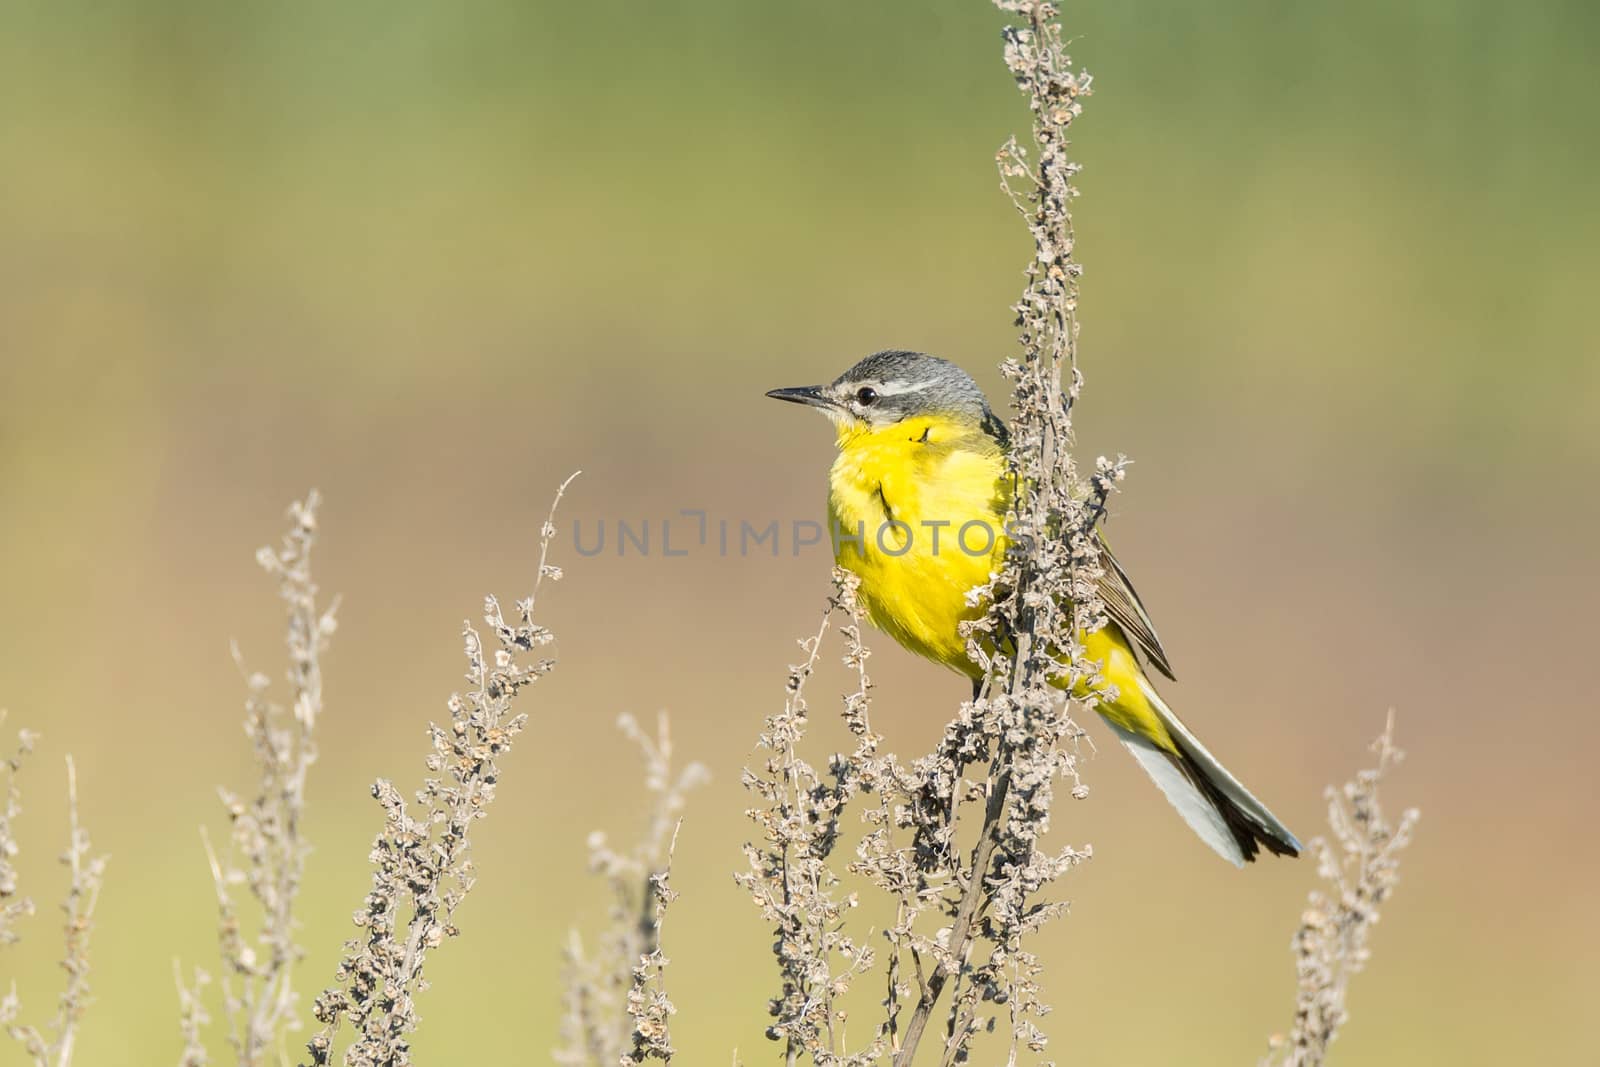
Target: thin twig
[266, 848]
[86, 875]
[422, 865]
[1330, 945]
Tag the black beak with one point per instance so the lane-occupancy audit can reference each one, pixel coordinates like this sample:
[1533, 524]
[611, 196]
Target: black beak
[804, 394]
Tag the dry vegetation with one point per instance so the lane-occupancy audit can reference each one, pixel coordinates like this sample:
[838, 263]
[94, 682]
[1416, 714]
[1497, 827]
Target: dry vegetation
[421, 858]
[53, 1046]
[617, 1009]
[952, 842]
[267, 851]
[1360, 868]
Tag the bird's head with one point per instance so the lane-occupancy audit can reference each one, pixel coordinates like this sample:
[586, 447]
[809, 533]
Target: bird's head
[891, 387]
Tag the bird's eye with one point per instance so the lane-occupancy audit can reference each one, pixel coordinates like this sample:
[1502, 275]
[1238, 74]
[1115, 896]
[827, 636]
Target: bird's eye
[866, 396]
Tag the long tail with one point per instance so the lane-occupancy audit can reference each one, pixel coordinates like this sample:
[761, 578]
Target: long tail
[1225, 814]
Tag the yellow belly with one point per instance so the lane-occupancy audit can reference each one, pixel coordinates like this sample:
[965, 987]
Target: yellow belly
[917, 512]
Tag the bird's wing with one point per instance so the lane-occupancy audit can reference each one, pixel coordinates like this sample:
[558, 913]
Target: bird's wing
[1127, 611]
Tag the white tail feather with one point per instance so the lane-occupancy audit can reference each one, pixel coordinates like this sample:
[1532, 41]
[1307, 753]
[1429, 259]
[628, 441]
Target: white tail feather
[1192, 804]
[1215, 772]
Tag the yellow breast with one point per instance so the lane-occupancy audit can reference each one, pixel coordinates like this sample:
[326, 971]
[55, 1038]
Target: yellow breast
[917, 512]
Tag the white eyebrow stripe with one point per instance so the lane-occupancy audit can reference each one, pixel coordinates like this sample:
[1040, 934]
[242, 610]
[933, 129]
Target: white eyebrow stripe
[900, 388]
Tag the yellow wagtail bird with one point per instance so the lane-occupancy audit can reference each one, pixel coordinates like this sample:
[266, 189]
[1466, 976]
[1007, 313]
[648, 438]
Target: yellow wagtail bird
[917, 499]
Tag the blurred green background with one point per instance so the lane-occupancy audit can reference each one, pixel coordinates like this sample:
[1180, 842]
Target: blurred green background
[431, 258]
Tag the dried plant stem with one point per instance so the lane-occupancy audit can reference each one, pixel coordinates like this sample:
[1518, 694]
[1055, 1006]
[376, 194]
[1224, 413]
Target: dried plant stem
[13, 906]
[192, 1017]
[789, 877]
[86, 874]
[83, 893]
[616, 1004]
[650, 1009]
[1360, 874]
[1018, 726]
[1046, 597]
[422, 866]
[966, 914]
[267, 850]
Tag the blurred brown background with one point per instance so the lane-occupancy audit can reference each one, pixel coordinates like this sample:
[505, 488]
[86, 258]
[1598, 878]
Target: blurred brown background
[432, 258]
